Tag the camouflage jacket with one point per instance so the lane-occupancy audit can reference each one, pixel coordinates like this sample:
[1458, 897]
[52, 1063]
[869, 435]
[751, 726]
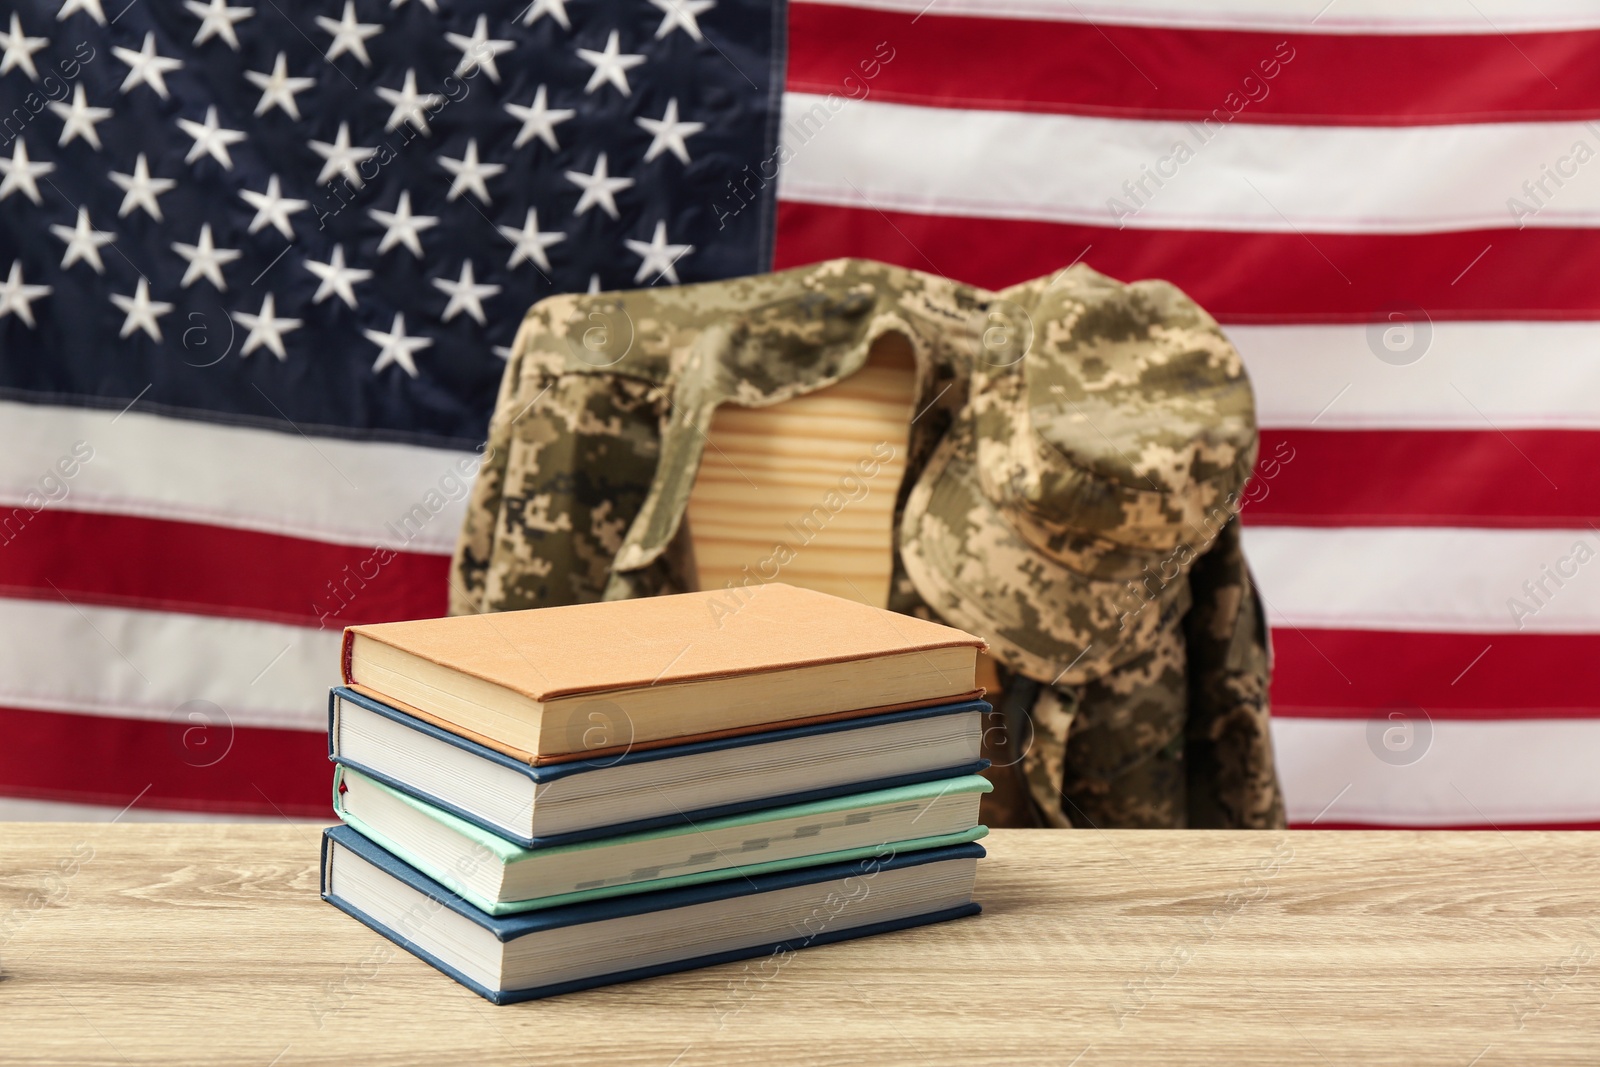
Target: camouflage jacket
[1161, 720]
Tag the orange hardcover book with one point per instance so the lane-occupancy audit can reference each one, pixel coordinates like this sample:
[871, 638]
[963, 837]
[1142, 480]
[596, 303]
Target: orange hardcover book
[587, 679]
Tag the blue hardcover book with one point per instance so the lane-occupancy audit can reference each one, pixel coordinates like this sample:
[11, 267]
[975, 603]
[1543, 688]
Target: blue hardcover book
[578, 946]
[556, 804]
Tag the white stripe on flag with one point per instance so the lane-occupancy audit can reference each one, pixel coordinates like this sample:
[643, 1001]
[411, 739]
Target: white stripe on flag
[1467, 773]
[146, 664]
[1079, 169]
[326, 489]
[1283, 16]
[1465, 375]
[1439, 580]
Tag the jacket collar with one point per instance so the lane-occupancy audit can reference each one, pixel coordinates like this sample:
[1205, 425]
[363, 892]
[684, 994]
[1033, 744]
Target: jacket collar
[754, 342]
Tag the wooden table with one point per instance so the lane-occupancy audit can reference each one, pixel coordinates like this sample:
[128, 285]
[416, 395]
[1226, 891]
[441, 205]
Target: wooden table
[202, 944]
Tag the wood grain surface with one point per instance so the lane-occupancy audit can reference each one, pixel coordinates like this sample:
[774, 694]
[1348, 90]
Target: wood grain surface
[208, 944]
[766, 470]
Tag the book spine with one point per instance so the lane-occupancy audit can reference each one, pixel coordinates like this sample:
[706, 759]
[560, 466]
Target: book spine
[324, 875]
[333, 724]
[345, 645]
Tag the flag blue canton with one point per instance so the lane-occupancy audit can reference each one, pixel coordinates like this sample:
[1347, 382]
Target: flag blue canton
[331, 217]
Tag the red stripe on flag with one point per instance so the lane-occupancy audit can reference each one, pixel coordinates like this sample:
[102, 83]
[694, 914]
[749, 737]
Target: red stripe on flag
[1358, 674]
[1149, 72]
[1518, 479]
[94, 759]
[160, 565]
[1238, 276]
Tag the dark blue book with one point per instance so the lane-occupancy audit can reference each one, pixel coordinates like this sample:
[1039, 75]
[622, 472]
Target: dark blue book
[560, 803]
[578, 946]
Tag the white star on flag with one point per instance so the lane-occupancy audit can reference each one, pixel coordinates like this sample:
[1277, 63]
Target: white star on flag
[265, 329]
[681, 14]
[431, 5]
[19, 49]
[659, 256]
[146, 68]
[609, 66]
[538, 120]
[140, 190]
[402, 227]
[217, 19]
[349, 35]
[277, 88]
[16, 296]
[469, 173]
[340, 158]
[88, 7]
[83, 242]
[556, 9]
[141, 312]
[337, 279]
[78, 119]
[210, 139]
[465, 295]
[395, 347]
[668, 133]
[409, 105]
[205, 260]
[530, 242]
[20, 172]
[272, 208]
[598, 188]
[479, 50]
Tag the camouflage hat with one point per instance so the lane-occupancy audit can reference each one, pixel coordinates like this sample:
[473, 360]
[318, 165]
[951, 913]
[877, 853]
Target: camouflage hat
[1103, 447]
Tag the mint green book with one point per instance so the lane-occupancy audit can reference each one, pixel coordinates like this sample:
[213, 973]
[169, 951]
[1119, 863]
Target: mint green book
[503, 878]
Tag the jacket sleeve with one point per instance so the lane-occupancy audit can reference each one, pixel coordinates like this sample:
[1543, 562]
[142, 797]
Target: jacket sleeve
[1232, 779]
[1109, 753]
[1180, 734]
[569, 461]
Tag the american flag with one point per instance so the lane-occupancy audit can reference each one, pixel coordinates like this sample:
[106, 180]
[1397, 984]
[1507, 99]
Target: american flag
[259, 266]
[1389, 208]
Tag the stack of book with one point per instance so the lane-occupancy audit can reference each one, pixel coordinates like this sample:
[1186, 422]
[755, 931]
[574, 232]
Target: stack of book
[541, 801]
